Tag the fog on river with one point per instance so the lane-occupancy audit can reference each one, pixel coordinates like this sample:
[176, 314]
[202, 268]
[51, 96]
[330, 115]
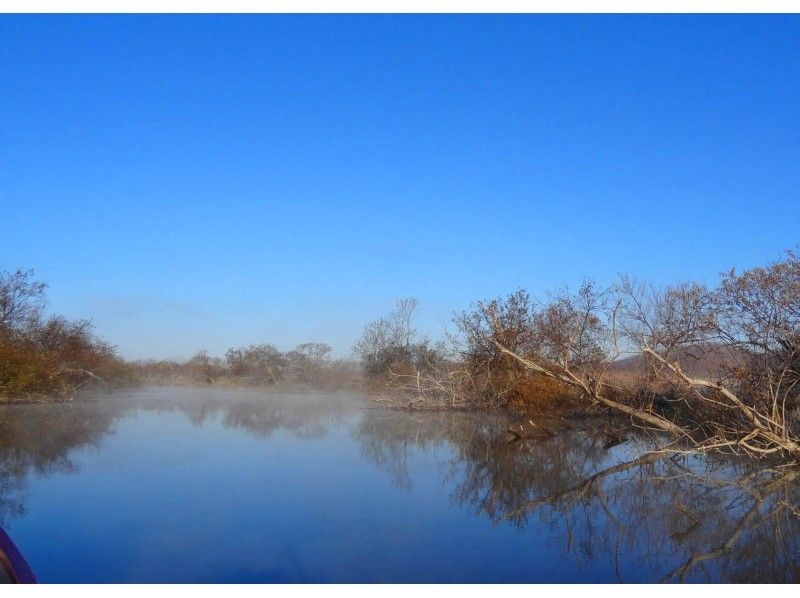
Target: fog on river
[203, 485]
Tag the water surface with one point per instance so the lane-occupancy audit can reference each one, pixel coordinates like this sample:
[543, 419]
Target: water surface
[185, 485]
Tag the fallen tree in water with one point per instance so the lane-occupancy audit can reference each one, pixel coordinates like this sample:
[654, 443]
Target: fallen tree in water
[745, 334]
[717, 369]
[741, 342]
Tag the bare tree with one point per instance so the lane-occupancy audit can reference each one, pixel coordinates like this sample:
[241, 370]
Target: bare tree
[574, 340]
[21, 299]
[263, 363]
[733, 351]
[404, 368]
[389, 338]
[493, 376]
[46, 356]
[316, 353]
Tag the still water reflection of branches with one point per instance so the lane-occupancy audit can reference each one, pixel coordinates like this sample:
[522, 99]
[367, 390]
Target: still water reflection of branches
[257, 413]
[653, 515]
[42, 438]
[390, 438]
[677, 517]
[38, 439]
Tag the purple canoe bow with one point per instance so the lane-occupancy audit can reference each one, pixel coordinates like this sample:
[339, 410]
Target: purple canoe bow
[12, 561]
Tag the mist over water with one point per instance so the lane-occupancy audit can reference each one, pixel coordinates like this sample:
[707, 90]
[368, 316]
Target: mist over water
[199, 485]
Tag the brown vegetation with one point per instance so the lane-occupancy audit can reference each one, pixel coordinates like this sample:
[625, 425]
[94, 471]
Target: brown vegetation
[747, 332]
[50, 356]
[715, 368]
[307, 367]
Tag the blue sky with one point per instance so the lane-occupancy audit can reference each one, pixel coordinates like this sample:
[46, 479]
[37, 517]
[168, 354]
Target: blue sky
[201, 182]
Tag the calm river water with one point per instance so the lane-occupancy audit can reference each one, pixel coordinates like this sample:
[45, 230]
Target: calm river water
[185, 485]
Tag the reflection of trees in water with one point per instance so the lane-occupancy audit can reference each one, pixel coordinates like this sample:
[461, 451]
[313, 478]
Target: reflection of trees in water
[673, 517]
[746, 524]
[389, 438]
[308, 418]
[682, 518]
[257, 413]
[38, 439]
[677, 518]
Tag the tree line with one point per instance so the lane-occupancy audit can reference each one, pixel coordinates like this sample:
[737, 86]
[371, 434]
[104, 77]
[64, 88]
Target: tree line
[309, 366]
[55, 357]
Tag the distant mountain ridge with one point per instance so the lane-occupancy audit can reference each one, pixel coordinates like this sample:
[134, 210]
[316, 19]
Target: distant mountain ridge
[695, 361]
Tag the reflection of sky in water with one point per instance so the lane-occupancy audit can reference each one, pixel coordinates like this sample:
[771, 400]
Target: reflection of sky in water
[187, 485]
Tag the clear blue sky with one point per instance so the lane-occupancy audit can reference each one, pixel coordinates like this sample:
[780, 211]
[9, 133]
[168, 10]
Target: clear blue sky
[202, 182]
